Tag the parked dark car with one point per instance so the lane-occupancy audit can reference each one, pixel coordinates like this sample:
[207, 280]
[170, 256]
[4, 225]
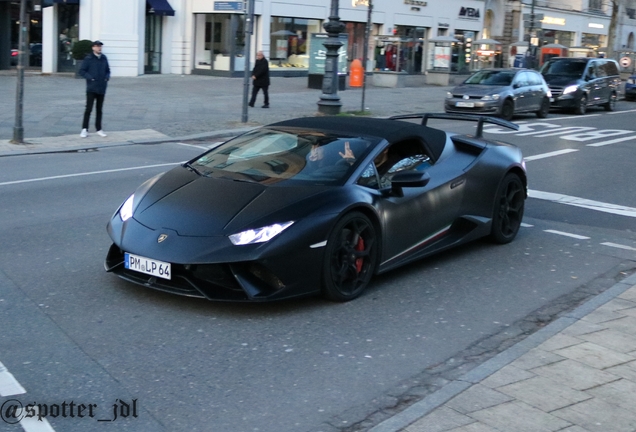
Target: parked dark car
[316, 205]
[501, 92]
[577, 83]
[630, 88]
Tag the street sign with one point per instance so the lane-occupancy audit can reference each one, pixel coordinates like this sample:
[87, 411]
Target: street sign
[537, 16]
[536, 24]
[625, 62]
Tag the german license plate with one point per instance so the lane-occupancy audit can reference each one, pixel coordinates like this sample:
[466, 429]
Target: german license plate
[465, 104]
[146, 265]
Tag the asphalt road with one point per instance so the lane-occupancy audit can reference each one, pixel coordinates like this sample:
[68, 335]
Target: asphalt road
[72, 332]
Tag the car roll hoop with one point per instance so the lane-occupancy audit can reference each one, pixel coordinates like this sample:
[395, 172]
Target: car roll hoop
[465, 117]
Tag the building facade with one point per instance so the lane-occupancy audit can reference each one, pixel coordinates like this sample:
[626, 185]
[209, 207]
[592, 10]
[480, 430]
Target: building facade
[208, 36]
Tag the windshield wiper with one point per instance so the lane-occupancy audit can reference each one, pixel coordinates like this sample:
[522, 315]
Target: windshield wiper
[192, 168]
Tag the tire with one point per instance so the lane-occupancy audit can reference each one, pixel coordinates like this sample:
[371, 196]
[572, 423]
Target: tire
[507, 110]
[545, 108]
[350, 257]
[508, 211]
[581, 108]
[611, 103]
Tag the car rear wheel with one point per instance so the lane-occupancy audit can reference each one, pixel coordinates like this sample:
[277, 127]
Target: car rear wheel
[545, 108]
[508, 211]
[611, 103]
[581, 107]
[507, 110]
[350, 258]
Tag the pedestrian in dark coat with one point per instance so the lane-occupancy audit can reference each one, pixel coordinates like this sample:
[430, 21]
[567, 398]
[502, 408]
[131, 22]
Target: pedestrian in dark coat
[96, 71]
[260, 79]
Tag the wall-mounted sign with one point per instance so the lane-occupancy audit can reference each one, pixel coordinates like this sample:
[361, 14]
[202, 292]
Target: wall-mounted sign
[594, 25]
[228, 5]
[446, 25]
[553, 21]
[415, 2]
[468, 12]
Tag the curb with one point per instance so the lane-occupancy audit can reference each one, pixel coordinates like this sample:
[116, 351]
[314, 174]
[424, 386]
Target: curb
[420, 409]
[205, 135]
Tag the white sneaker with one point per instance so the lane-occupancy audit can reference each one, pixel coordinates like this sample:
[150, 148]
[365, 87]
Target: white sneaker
[84, 133]
[101, 133]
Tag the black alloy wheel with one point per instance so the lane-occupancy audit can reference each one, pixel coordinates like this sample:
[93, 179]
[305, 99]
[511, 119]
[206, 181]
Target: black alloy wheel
[545, 108]
[611, 103]
[581, 108]
[507, 110]
[350, 257]
[508, 211]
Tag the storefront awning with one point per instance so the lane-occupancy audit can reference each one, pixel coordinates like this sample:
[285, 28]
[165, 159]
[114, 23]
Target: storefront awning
[160, 7]
[46, 3]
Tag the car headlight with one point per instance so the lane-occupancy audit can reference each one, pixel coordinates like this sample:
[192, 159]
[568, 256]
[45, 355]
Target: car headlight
[549, 93]
[449, 95]
[491, 97]
[569, 89]
[126, 210]
[259, 235]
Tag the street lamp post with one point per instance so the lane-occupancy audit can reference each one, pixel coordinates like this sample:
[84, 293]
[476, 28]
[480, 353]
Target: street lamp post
[329, 103]
[18, 129]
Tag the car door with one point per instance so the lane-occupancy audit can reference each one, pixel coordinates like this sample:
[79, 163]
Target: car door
[536, 83]
[522, 91]
[419, 216]
[594, 83]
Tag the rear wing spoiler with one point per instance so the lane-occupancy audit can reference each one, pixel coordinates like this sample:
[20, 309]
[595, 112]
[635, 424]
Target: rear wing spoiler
[466, 117]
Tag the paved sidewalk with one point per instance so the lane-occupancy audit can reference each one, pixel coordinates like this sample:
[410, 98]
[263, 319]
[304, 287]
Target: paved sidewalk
[157, 108]
[576, 374]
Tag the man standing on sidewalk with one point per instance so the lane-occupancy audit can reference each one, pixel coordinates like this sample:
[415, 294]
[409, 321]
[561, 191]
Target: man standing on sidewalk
[260, 79]
[96, 71]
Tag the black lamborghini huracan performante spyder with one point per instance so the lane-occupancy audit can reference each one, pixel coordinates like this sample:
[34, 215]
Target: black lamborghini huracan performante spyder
[316, 205]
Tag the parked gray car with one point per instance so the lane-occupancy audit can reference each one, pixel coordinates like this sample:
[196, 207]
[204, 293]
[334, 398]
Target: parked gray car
[501, 92]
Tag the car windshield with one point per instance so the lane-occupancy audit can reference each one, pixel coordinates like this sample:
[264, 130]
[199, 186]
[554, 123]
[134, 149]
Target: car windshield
[491, 77]
[270, 155]
[564, 68]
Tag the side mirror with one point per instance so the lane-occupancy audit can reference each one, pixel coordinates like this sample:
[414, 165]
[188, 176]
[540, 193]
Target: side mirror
[516, 85]
[409, 178]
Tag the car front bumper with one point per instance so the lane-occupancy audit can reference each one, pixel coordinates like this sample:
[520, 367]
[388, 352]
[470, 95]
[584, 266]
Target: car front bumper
[478, 106]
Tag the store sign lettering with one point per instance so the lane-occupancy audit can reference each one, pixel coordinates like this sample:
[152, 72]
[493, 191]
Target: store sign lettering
[469, 12]
[415, 2]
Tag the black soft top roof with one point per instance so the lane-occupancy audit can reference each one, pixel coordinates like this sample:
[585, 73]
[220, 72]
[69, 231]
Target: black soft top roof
[391, 130]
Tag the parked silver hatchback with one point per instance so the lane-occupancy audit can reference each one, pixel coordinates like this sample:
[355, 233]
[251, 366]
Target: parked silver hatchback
[501, 92]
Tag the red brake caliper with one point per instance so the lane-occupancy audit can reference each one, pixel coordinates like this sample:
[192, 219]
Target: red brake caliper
[359, 247]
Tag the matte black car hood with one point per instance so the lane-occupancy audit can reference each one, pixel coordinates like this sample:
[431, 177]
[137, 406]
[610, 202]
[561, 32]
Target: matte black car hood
[214, 207]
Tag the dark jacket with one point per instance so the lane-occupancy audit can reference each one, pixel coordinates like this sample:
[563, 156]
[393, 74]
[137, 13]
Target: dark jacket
[97, 73]
[261, 73]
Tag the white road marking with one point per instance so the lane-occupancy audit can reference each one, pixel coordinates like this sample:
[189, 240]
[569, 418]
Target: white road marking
[550, 154]
[622, 112]
[571, 117]
[9, 386]
[191, 145]
[576, 236]
[584, 203]
[525, 225]
[87, 173]
[614, 141]
[619, 246]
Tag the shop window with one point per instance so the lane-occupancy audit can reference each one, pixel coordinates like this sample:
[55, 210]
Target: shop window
[289, 41]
